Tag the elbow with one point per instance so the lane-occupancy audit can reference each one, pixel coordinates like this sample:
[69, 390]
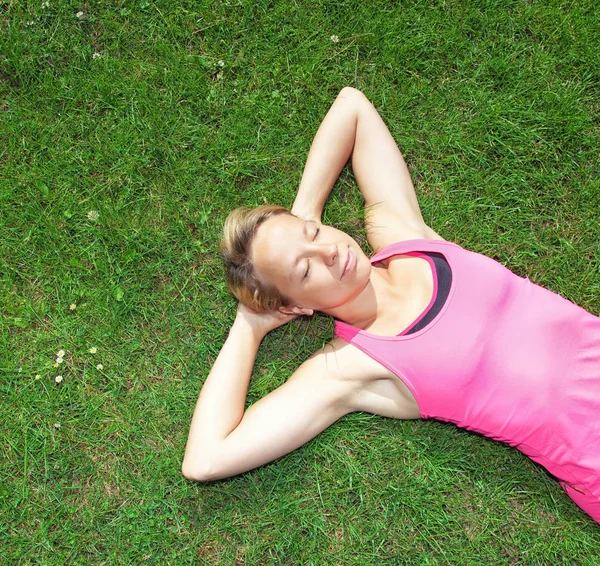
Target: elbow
[350, 92]
[200, 471]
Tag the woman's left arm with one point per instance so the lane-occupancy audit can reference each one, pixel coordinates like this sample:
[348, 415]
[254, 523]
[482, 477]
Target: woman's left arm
[329, 152]
[354, 129]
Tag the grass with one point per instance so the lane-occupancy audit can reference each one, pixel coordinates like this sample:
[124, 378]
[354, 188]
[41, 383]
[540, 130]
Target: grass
[123, 108]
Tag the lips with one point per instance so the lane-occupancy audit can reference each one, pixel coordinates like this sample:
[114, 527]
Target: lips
[350, 263]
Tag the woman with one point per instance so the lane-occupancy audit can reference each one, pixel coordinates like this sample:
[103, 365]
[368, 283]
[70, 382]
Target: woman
[424, 328]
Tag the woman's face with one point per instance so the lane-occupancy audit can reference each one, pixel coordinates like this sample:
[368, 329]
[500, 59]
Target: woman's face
[316, 266]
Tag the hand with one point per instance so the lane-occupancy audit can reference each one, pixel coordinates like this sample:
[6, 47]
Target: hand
[261, 323]
[305, 214]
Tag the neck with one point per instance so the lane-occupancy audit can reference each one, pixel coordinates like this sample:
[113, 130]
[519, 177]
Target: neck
[363, 310]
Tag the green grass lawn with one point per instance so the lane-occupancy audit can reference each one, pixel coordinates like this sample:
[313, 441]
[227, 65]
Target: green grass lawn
[128, 130]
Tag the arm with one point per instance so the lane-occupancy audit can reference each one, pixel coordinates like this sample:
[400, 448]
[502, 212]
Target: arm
[353, 128]
[224, 441]
[330, 151]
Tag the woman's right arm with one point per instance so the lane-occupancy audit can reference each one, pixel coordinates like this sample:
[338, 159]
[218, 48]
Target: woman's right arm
[224, 440]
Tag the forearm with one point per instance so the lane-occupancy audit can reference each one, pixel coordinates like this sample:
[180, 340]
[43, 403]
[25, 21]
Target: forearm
[221, 402]
[330, 151]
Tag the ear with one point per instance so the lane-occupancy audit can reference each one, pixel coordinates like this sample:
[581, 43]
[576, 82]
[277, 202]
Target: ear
[298, 311]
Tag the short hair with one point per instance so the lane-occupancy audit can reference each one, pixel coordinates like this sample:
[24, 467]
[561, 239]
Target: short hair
[238, 233]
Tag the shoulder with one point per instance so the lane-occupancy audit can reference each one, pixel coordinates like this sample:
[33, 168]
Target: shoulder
[385, 228]
[360, 382]
[340, 361]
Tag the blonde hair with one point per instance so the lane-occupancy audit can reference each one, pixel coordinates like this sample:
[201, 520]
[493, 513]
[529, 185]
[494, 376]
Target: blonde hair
[238, 233]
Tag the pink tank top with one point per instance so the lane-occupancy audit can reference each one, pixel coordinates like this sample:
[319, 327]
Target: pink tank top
[504, 357]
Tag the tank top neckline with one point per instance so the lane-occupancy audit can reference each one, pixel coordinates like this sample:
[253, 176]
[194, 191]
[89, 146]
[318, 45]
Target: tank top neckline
[411, 248]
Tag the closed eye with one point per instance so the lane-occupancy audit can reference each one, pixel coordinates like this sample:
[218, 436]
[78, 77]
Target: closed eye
[308, 261]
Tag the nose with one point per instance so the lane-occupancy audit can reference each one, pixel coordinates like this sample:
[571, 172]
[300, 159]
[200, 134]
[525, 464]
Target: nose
[329, 253]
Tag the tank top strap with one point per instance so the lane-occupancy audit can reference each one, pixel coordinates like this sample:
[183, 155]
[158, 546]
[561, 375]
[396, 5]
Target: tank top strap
[408, 246]
[349, 332]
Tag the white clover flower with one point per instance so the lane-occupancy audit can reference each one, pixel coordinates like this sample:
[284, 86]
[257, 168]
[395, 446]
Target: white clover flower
[72, 306]
[93, 350]
[59, 360]
[334, 38]
[221, 63]
[80, 14]
[93, 215]
[58, 379]
[96, 55]
[56, 425]
[60, 353]
[99, 367]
